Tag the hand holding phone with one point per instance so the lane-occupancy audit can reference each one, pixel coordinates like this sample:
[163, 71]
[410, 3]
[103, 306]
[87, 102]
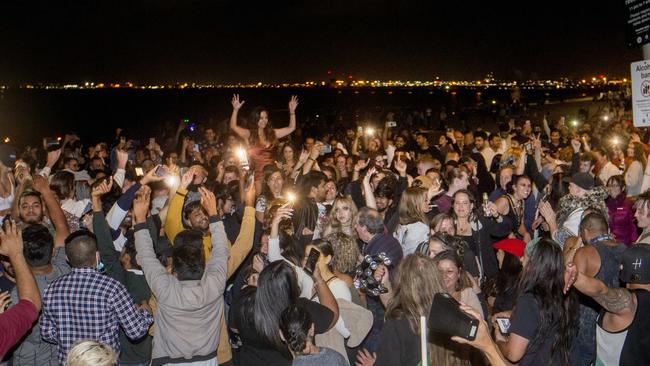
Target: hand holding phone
[312, 259]
[504, 325]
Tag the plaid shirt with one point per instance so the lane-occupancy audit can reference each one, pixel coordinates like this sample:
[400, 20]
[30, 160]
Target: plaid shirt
[86, 304]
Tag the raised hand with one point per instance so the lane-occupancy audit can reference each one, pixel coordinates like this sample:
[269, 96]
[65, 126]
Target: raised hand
[122, 157]
[102, 188]
[141, 204]
[151, 176]
[575, 144]
[361, 164]
[284, 212]
[293, 104]
[187, 178]
[12, 240]
[41, 184]
[249, 192]
[236, 104]
[53, 157]
[208, 201]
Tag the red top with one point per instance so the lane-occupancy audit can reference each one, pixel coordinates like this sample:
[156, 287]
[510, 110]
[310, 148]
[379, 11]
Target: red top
[14, 323]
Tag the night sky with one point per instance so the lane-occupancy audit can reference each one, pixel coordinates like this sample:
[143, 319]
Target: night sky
[158, 41]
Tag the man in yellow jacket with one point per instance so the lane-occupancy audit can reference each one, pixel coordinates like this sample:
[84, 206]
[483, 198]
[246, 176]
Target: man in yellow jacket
[198, 220]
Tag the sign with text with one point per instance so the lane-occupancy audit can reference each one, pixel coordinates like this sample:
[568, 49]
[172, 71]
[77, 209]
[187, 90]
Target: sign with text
[640, 72]
[638, 22]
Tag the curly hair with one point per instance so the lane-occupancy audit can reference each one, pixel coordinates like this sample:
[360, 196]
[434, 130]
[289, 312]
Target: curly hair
[346, 252]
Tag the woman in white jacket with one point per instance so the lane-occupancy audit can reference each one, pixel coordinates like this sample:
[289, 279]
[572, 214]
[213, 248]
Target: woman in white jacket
[412, 229]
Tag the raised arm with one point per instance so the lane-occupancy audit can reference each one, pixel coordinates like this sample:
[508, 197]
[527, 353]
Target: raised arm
[236, 106]
[619, 301]
[282, 132]
[217, 265]
[157, 277]
[12, 246]
[244, 242]
[107, 253]
[367, 189]
[54, 210]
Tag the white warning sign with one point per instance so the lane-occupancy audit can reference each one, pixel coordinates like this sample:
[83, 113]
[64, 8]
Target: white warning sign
[640, 72]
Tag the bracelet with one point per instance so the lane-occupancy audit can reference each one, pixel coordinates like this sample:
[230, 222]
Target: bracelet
[312, 159]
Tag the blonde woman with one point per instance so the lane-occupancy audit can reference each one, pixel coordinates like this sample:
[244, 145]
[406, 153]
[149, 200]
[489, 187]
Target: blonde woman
[91, 353]
[413, 228]
[341, 217]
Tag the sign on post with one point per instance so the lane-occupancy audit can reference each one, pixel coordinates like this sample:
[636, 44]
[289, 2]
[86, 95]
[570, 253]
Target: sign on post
[638, 22]
[641, 93]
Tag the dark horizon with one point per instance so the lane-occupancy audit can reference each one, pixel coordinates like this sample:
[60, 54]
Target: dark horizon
[229, 42]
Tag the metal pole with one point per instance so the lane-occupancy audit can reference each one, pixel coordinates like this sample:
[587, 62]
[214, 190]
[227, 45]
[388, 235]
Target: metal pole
[646, 51]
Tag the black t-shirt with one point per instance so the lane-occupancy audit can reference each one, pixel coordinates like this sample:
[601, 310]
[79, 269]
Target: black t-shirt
[525, 322]
[255, 351]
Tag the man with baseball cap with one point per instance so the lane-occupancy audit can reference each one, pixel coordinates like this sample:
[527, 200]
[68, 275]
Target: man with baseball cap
[582, 195]
[622, 327]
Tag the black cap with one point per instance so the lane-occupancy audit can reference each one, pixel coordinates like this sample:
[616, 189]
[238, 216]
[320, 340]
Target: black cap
[636, 264]
[582, 180]
[8, 156]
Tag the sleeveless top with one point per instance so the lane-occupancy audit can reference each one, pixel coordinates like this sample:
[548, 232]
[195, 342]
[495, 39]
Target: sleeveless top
[513, 217]
[610, 264]
[6, 202]
[634, 349]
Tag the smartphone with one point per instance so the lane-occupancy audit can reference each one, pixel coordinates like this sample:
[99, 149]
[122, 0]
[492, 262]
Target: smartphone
[312, 258]
[327, 149]
[504, 325]
[197, 147]
[51, 143]
[161, 171]
[139, 172]
[529, 148]
[391, 124]
[360, 129]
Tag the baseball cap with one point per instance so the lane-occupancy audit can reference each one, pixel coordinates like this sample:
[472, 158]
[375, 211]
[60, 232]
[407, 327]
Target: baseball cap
[512, 246]
[8, 156]
[582, 180]
[635, 261]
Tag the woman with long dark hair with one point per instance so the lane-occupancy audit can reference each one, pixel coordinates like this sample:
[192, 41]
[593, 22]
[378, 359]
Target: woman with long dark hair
[511, 206]
[271, 190]
[262, 138]
[256, 316]
[478, 230]
[543, 322]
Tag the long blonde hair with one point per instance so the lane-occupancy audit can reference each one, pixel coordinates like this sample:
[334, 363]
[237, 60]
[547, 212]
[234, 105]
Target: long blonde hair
[410, 206]
[333, 224]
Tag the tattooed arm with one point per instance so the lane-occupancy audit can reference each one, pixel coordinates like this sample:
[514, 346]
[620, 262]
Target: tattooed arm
[619, 301]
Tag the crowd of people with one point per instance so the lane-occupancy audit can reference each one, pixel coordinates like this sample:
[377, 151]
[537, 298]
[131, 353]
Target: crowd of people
[267, 246]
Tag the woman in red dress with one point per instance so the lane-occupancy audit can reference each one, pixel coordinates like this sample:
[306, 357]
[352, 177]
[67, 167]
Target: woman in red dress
[262, 138]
